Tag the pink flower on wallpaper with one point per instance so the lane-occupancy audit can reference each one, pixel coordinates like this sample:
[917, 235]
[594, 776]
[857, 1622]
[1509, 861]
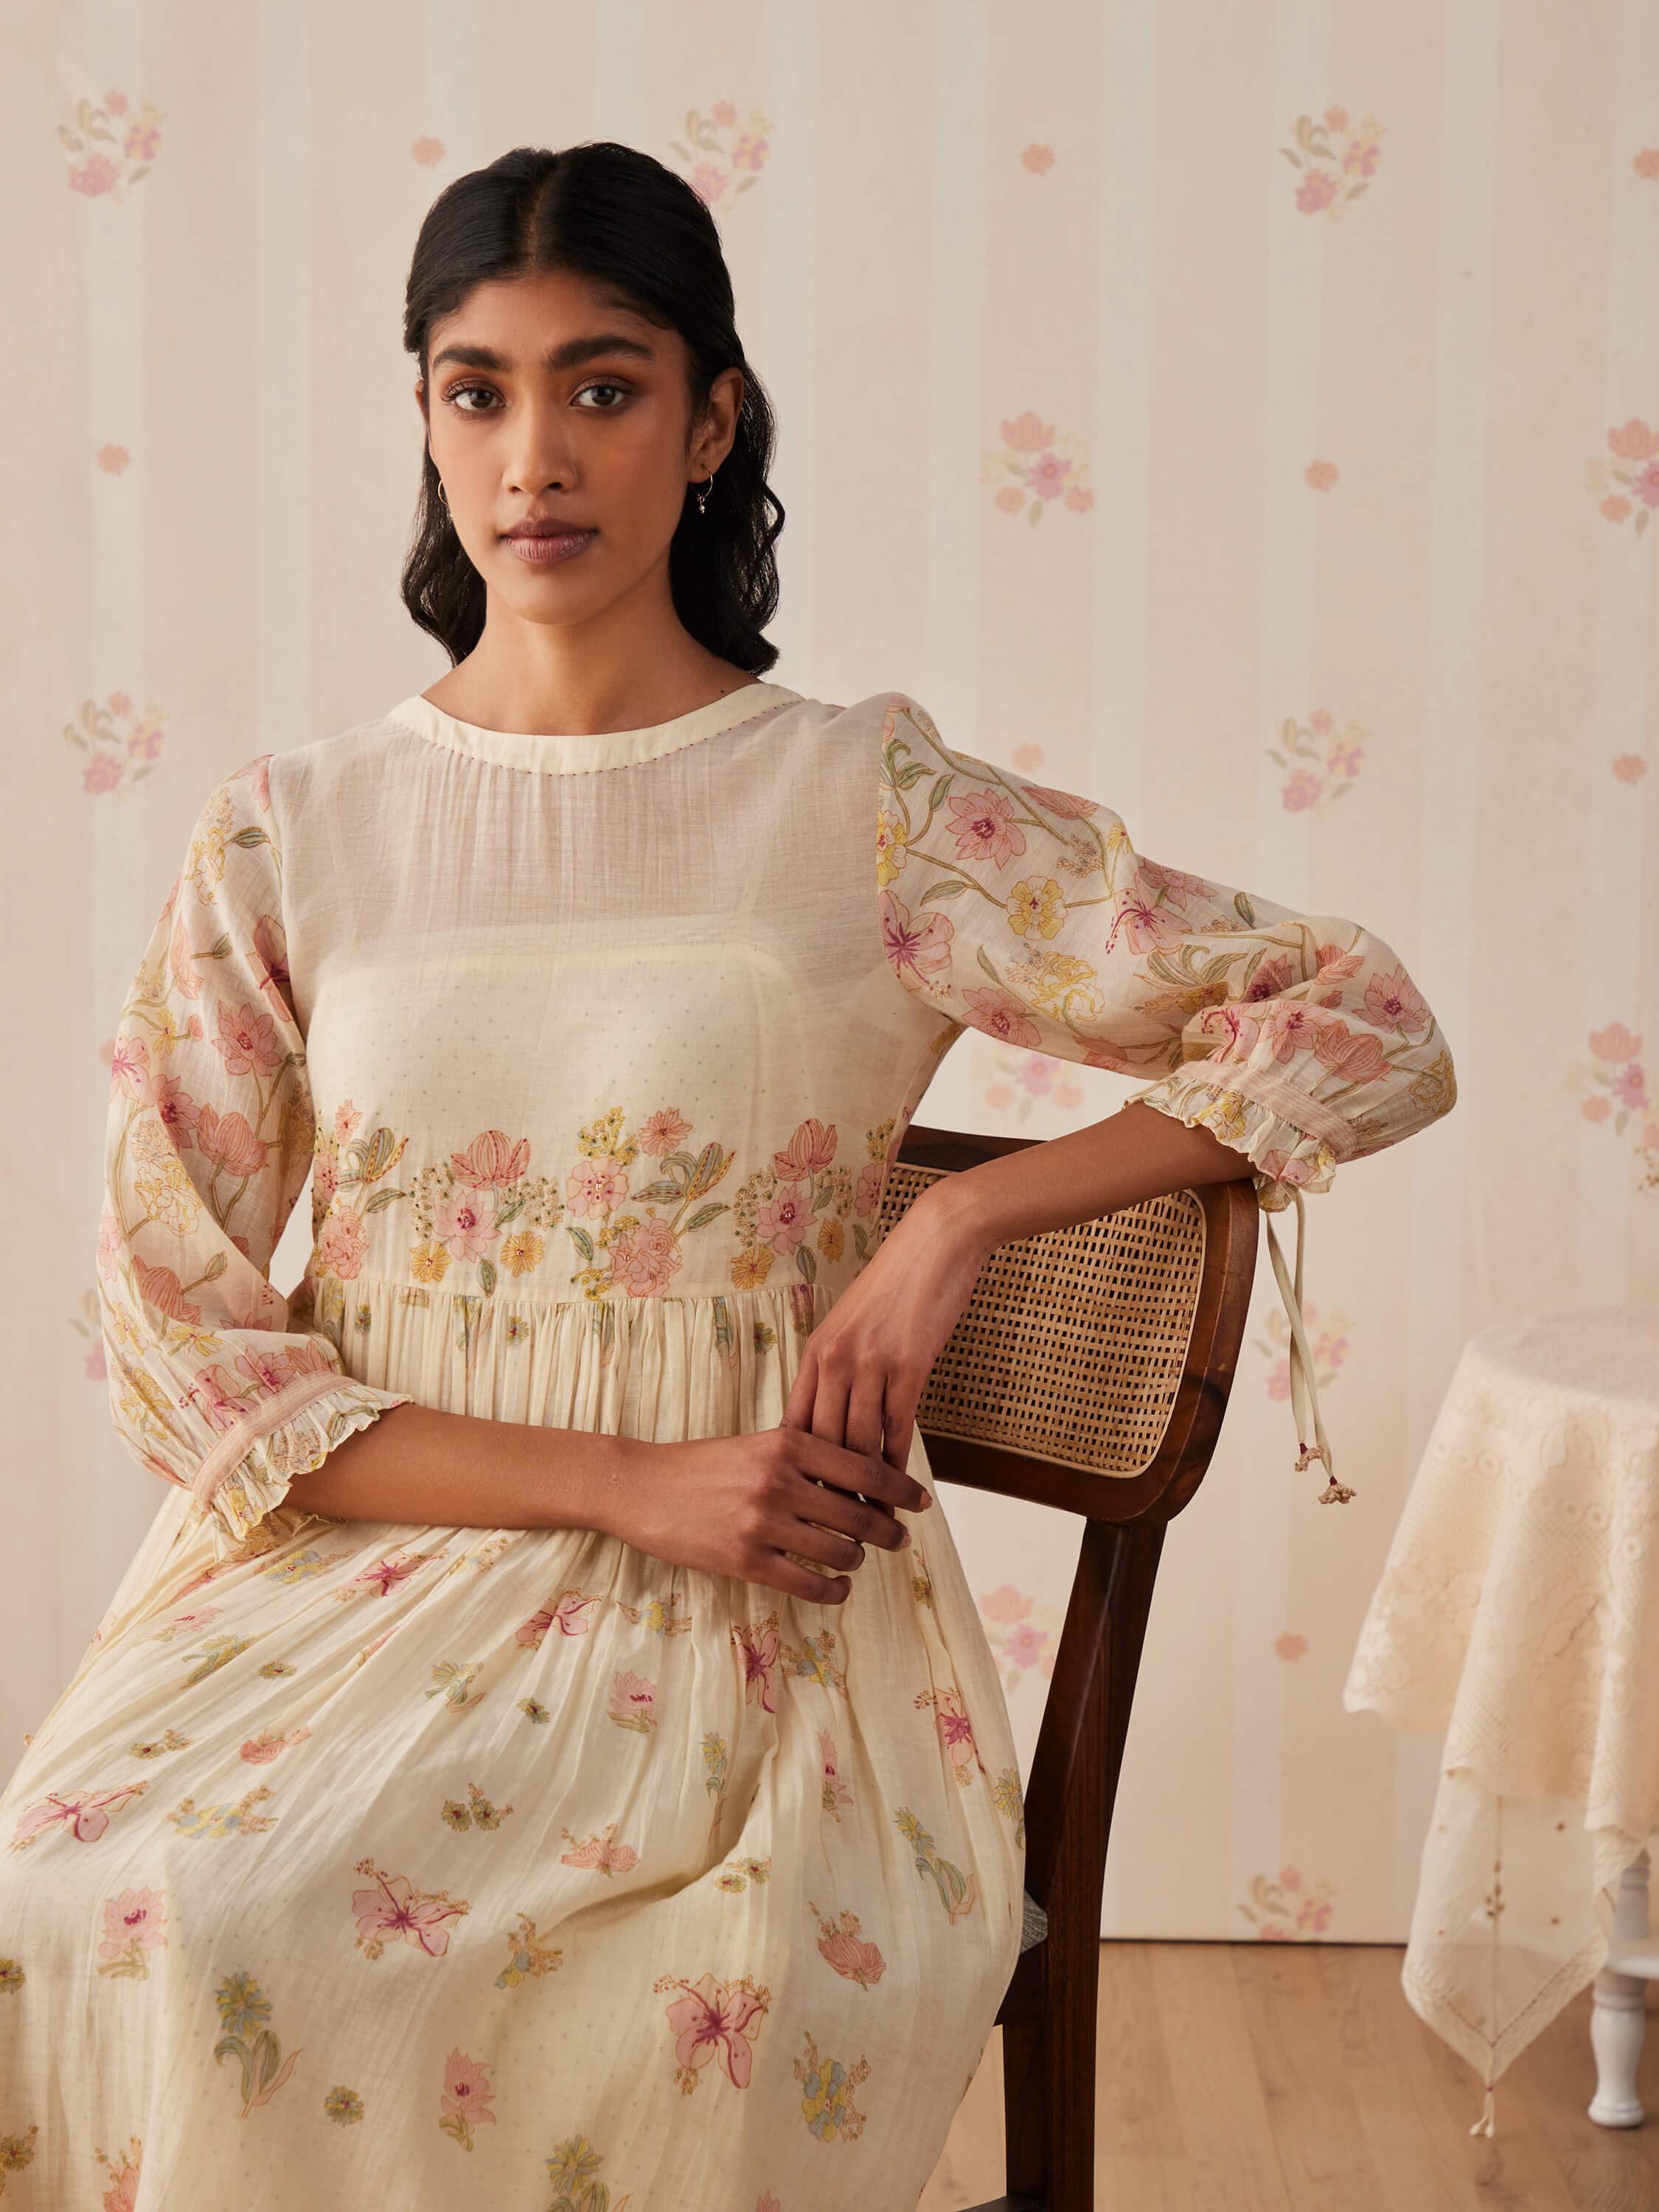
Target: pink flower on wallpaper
[1329, 1341]
[1038, 159]
[112, 459]
[1633, 465]
[1285, 1907]
[723, 159]
[428, 152]
[1623, 1090]
[1035, 466]
[1290, 1647]
[1335, 160]
[94, 129]
[1319, 475]
[1630, 768]
[1321, 766]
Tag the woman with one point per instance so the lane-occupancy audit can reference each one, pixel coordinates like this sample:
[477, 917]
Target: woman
[544, 1748]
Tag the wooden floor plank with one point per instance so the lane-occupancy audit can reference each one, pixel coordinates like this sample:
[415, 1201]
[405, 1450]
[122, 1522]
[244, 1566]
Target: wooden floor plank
[1296, 2078]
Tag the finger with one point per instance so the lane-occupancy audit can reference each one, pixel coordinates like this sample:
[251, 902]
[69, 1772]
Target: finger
[858, 1519]
[865, 1403]
[798, 1409]
[782, 1573]
[874, 1479]
[899, 1423]
[828, 1406]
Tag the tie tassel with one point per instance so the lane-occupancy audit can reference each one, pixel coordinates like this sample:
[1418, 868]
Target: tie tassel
[1305, 1395]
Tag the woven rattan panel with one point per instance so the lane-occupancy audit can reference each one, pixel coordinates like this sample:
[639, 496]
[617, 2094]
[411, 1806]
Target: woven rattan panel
[1072, 1345]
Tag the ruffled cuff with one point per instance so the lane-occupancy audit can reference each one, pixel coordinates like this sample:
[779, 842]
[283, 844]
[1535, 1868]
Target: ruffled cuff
[240, 1483]
[1233, 1104]
[1239, 1106]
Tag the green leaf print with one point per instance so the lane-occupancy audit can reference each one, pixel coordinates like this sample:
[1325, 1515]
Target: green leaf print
[243, 2006]
[956, 1889]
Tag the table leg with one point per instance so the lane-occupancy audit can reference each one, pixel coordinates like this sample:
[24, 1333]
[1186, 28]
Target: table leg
[1618, 2020]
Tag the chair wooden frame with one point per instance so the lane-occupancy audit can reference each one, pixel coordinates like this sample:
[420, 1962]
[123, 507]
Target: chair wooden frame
[1048, 2015]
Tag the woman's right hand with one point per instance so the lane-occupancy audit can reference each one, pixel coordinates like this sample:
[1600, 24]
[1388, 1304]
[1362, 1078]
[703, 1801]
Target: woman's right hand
[738, 1505]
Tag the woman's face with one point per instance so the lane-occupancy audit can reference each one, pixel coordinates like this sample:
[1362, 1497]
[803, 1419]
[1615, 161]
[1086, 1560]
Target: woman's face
[546, 401]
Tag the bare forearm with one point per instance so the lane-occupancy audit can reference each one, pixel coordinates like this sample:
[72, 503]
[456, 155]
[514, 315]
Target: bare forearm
[1133, 1154]
[416, 1465]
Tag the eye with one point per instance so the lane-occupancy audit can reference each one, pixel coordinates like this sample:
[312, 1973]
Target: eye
[459, 392]
[604, 384]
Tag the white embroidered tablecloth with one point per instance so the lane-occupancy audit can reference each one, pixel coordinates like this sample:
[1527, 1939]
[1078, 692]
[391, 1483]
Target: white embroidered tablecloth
[1519, 1613]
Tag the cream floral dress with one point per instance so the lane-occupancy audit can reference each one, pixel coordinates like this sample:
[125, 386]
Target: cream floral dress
[384, 1864]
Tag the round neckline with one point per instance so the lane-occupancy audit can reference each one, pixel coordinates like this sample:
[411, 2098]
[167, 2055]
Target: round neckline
[574, 752]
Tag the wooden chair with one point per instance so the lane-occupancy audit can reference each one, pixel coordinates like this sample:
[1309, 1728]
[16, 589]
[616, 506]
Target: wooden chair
[1090, 1371]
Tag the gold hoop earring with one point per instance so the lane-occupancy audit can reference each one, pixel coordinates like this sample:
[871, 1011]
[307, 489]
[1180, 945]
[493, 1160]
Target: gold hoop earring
[443, 495]
[702, 494]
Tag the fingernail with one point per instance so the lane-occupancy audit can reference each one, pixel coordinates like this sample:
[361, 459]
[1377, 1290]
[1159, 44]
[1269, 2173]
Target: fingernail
[904, 1544]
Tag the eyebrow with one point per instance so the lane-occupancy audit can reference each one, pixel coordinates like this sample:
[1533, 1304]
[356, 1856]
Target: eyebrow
[571, 355]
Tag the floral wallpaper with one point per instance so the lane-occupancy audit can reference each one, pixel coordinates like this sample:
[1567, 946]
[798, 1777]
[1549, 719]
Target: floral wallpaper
[1258, 434]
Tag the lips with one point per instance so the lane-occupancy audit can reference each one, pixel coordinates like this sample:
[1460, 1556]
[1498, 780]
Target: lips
[543, 545]
[538, 527]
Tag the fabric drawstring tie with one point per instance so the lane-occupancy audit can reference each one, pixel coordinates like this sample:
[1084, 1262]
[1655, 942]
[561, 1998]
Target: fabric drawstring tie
[1304, 1397]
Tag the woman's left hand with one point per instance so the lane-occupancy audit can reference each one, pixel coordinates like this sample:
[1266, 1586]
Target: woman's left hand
[867, 1362]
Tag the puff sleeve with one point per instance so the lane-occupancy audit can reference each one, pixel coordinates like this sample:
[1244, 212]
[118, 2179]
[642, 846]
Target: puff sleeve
[207, 1142]
[1025, 912]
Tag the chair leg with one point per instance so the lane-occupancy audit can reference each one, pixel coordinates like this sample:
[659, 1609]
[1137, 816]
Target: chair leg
[1049, 2061]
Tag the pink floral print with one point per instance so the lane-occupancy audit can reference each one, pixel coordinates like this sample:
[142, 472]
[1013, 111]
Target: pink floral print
[841, 1946]
[715, 2020]
[83, 1814]
[571, 1614]
[259, 1750]
[467, 2096]
[125, 2171]
[1294, 1048]
[757, 1643]
[632, 1702]
[955, 1730]
[601, 1852]
[391, 1910]
[836, 1792]
[134, 1925]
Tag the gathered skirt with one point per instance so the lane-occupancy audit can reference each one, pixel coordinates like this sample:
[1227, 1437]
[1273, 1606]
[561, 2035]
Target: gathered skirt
[442, 1867]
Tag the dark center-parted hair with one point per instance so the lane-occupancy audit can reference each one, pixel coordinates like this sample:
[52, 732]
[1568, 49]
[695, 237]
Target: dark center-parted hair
[622, 220]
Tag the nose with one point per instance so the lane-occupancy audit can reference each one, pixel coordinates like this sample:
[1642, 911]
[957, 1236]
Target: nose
[541, 458]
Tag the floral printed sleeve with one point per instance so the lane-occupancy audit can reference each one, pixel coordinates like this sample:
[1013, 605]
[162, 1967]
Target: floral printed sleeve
[1025, 912]
[208, 1139]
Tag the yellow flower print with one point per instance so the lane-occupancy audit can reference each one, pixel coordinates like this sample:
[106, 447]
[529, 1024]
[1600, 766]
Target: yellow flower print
[522, 1252]
[751, 1267]
[1039, 906]
[428, 1263]
[832, 1240]
[890, 846]
[1060, 984]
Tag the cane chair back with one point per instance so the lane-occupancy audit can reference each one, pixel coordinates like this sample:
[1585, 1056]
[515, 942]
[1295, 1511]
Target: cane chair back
[1091, 1371]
